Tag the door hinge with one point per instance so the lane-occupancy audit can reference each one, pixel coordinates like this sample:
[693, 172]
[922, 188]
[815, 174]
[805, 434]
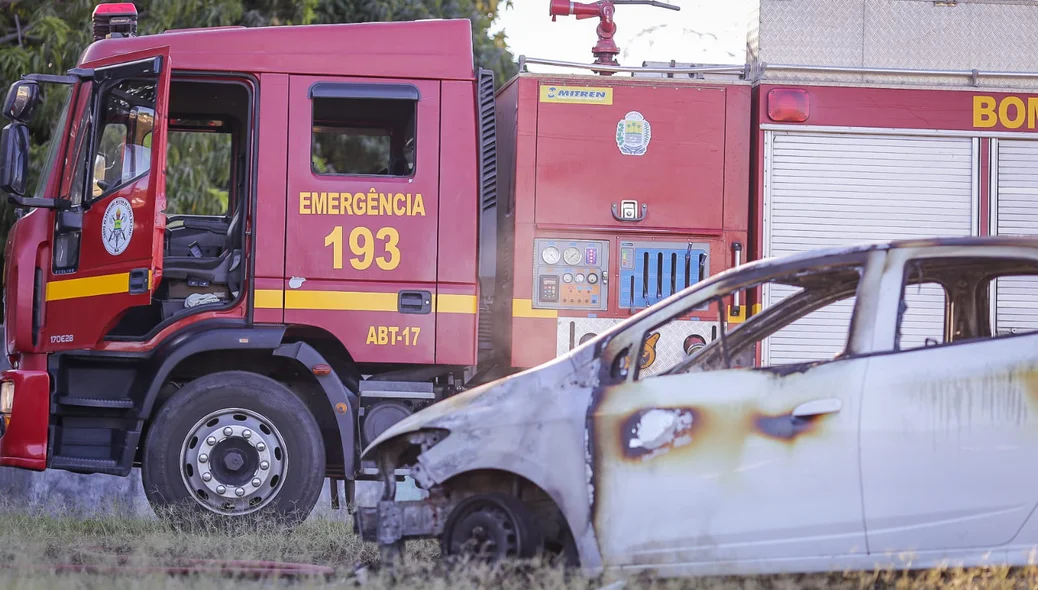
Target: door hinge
[138, 281]
[414, 302]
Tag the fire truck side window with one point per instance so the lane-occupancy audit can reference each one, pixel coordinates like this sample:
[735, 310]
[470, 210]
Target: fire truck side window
[200, 162]
[124, 140]
[363, 136]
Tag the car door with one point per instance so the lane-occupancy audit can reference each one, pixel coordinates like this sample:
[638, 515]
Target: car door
[947, 436]
[107, 246]
[363, 179]
[733, 464]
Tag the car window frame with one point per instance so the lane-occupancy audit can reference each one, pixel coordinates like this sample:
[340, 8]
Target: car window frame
[624, 340]
[893, 283]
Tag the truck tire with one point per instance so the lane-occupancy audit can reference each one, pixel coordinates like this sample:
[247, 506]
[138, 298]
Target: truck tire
[234, 445]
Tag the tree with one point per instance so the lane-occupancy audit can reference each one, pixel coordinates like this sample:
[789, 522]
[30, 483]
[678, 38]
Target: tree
[48, 36]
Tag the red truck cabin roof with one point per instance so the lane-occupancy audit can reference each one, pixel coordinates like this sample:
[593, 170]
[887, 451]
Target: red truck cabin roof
[430, 49]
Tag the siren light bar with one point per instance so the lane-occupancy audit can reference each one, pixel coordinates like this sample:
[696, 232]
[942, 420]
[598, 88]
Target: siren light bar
[113, 20]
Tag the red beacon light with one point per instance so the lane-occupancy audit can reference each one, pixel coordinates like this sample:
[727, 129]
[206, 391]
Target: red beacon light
[113, 20]
[789, 105]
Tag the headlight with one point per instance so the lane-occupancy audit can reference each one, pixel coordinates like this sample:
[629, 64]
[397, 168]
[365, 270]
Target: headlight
[6, 397]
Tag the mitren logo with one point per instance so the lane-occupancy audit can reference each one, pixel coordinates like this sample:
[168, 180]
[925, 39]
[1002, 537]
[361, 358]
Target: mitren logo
[577, 95]
[1011, 112]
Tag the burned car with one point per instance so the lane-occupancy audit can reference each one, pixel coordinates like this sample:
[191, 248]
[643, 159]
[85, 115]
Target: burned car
[909, 433]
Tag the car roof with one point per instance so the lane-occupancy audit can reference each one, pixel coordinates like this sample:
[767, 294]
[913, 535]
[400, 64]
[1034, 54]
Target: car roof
[914, 244]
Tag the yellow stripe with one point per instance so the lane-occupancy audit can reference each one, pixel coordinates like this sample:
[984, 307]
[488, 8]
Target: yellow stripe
[270, 299]
[523, 308]
[89, 286]
[340, 301]
[456, 304]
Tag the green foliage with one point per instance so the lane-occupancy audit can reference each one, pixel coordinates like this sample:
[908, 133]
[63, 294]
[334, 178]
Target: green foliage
[48, 36]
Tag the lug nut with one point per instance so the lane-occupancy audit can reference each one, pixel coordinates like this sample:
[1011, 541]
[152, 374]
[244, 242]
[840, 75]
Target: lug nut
[240, 492]
[221, 489]
[264, 465]
[228, 431]
[256, 483]
[261, 447]
[207, 476]
[210, 441]
[246, 433]
[203, 458]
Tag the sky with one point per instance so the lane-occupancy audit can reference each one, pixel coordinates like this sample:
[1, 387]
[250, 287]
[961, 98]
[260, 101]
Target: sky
[702, 32]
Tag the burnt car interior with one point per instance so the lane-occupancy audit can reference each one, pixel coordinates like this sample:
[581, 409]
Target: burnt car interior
[203, 265]
[964, 284]
[967, 288]
[736, 348]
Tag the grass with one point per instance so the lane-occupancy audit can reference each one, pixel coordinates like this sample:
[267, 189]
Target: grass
[34, 545]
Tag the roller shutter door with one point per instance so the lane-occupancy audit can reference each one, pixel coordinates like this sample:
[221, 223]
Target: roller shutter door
[835, 189]
[1016, 213]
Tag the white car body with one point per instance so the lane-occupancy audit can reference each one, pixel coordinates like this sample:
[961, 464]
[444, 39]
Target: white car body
[879, 457]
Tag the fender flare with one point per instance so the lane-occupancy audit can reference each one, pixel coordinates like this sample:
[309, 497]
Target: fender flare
[208, 338]
[344, 402]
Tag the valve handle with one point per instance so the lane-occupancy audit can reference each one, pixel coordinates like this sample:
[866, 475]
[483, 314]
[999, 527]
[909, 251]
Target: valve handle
[655, 3]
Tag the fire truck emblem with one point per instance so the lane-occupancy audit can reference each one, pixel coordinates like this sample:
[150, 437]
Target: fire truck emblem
[117, 226]
[633, 134]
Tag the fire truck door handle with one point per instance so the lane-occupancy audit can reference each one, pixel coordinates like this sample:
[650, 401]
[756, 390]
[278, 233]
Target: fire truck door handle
[417, 302]
[138, 281]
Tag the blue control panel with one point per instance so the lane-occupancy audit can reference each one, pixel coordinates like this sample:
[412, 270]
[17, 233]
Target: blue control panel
[652, 271]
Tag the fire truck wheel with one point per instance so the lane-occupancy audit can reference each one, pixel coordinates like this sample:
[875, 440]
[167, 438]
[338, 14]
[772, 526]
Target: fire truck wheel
[235, 444]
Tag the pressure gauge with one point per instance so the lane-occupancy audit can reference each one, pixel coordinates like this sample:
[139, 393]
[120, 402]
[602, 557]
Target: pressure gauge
[572, 256]
[580, 278]
[567, 278]
[592, 278]
[550, 255]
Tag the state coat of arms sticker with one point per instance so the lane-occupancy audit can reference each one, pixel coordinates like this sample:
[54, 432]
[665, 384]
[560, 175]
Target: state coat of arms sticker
[633, 133]
[117, 226]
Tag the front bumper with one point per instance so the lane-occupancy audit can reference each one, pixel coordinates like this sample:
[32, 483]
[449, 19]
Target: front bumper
[24, 436]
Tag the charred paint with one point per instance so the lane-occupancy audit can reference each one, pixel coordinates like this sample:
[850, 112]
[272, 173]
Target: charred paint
[650, 432]
[786, 427]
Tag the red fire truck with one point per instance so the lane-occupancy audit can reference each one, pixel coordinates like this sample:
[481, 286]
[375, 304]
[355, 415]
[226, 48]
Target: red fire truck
[396, 232]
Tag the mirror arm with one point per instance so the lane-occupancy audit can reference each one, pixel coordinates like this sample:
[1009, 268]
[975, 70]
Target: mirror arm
[36, 202]
[51, 78]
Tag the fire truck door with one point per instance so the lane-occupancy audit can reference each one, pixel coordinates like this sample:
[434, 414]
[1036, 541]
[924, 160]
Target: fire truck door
[107, 248]
[361, 235]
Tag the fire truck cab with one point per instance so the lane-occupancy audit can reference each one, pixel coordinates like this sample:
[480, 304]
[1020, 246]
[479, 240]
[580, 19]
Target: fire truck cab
[343, 245]
[386, 232]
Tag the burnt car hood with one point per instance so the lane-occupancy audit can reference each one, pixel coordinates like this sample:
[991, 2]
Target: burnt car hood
[495, 403]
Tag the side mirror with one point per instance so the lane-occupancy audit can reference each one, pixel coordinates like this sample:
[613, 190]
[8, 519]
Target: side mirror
[22, 100]
[14, 158]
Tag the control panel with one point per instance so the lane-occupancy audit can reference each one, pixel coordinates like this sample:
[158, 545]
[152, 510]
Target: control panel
[570, 274]
[652, 271]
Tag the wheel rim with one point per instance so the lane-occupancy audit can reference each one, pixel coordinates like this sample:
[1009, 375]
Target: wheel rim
[485, 531]
[233, 461]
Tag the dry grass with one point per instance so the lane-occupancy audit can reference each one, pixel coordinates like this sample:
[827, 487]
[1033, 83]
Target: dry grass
[34, 544]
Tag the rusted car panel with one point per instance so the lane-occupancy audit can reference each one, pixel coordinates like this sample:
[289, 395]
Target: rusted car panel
[883, 450]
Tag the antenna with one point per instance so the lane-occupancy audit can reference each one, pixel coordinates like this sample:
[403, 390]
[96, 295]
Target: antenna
[605, 51]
